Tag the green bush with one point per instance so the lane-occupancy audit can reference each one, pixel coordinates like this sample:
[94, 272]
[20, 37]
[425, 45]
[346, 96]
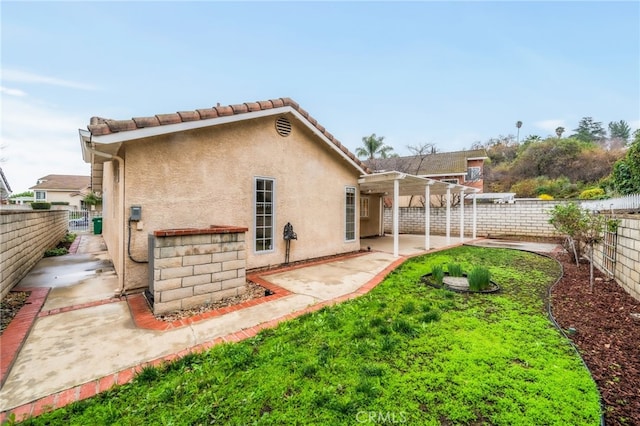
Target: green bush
[437, 274]
[479, 278]
[591, 194]
[59, 203]
[59, 251]
[454, 269]
[40, 205]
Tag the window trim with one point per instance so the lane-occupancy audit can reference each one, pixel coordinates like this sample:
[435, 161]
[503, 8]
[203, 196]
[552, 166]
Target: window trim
[365, 205]
[255, 215]
[44, 196]
[350, 190]
[478, 174]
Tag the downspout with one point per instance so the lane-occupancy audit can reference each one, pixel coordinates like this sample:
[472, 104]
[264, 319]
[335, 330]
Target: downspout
[120, 289]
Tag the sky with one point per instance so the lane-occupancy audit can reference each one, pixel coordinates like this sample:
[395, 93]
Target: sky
[446, 73]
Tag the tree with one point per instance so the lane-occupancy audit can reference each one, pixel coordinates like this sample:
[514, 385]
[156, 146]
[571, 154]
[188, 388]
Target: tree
[626, 172]
[559, 131]
[619, 130]
[583, 229]
[373, 146]
[589, 130]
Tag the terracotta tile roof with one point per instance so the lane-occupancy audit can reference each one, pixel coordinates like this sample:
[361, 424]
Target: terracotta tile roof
[63, 183]
[102, 126]
[433, 164]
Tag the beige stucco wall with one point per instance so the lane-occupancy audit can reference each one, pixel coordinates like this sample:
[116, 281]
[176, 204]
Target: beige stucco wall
[110, 213]
[64, 196]
[206, 177]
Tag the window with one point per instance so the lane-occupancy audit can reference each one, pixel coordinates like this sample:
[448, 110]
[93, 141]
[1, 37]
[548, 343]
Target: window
[263, 232]
[364, 207]
[473, 174]
[41, 195]
[450, 181]
[350, 214]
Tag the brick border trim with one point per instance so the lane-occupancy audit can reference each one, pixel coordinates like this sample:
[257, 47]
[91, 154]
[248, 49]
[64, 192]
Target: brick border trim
[92, 388]
[16, 333]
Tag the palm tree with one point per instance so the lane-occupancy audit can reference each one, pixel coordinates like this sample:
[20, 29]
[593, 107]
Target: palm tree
[559, 131]
[372, 146]
[518, 125]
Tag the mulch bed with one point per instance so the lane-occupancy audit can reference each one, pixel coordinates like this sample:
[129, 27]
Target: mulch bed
[9, 307]
[607, 335]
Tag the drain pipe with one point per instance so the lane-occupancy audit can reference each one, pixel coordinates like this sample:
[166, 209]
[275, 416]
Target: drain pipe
[120, 289]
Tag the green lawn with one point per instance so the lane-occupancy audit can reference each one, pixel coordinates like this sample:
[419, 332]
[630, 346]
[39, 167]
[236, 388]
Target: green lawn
[404, 353]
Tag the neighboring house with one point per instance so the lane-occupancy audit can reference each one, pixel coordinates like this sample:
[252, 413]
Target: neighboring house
[5, 189]
[62, 188]
[255, 166]
[459, 167]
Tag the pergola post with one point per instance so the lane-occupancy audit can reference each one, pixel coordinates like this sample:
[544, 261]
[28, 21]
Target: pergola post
[396, 212]
[475, 217]
[461, 215]
[427, 216]
[448, 220]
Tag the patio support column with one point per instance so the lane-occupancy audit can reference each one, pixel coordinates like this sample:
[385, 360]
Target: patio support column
[448, 224]
[427, 216]
[396, 211]
[461, 215]
[475, 217]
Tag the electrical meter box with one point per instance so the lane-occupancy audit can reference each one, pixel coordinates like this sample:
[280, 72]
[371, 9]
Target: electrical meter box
[136, 213]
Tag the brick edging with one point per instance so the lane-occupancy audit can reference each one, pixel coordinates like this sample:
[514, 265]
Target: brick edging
[15, 334]
[92, 388]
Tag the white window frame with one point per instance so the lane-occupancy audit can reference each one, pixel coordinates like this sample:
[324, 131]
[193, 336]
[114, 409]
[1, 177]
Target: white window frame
[256, 220]
[38, 199]
[350, 215]
[477, 173]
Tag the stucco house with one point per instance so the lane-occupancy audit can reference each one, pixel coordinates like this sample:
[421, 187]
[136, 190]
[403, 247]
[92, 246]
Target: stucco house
[62, 188]
[459, 167]
[185, 190]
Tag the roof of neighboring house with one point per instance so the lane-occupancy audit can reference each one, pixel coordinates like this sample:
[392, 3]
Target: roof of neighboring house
[5, 183]
[99, 127]
[438, 164]
[63, 183]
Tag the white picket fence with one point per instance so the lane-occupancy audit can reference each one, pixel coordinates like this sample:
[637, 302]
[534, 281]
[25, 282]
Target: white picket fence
[630, 203]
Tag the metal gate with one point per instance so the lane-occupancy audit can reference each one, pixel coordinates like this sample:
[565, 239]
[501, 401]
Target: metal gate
[79, 221]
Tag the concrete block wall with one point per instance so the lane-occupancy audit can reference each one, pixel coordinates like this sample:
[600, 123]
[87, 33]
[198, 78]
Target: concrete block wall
[194, 267]
[24, 237]
[525, 218]
[627, 269]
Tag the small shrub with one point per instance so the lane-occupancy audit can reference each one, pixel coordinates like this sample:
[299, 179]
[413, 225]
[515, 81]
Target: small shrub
[59, 203]
[59, 251]
[545, 197]
[454, 269]
[479, 278]
[430, 316]
[437, 274]
[591, 194]
[40, 205]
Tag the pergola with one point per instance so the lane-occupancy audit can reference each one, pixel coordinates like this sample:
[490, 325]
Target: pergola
[401, 184]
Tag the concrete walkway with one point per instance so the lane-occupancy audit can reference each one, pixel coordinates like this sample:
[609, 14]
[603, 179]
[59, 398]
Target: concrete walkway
[80, 339]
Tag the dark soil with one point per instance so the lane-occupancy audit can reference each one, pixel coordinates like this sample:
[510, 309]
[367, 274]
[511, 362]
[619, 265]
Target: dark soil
[607, 334]
[9, 307]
